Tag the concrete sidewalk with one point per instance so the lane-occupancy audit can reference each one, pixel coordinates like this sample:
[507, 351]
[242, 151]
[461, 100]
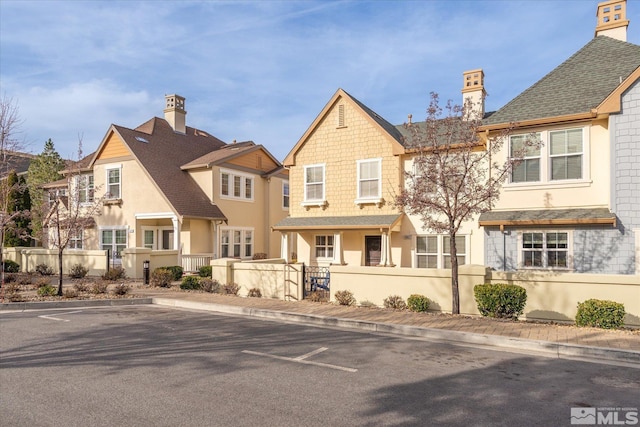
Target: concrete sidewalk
[551, 339]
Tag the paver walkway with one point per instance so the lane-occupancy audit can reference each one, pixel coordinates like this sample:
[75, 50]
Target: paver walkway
[565, 334]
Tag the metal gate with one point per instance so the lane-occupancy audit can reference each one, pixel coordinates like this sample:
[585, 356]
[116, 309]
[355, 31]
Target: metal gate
[316, 279]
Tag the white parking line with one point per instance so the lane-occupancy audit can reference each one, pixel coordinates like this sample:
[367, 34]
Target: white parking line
[301, 359]
[44, 316]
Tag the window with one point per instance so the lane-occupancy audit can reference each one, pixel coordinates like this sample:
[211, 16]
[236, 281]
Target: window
[285, 194]
[114, 183]
[314, 183]
[85, 188]
[114, 240]
[433, 251]
[566, 154]
[236, 186]
[236, 243]
[369, 172]
[75, 240]
[528, 170]
[324, 246]
[545, 249]
[55, 193]
[149, 239]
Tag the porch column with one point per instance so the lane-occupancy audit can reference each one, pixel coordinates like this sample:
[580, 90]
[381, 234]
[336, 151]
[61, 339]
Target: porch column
[338, 248]
[284, 246]
[385, 256]
[176, 238]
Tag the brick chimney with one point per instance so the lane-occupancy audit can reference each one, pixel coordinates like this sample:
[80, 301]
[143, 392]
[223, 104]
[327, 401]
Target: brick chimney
[473, 90]
[612, 19]
[175, 114]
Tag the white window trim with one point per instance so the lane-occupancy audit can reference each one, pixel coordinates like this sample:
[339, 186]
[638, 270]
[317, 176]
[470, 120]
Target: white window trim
[86, 190]
[315, 202]
[154, 245]
[107, 168]
[242, 240]
[369, 200]
[545, 267]
[76, 239]
[440, 248]
[243, 178]
[113, 227]
[324, 259]
[545, 164]
[286, 183]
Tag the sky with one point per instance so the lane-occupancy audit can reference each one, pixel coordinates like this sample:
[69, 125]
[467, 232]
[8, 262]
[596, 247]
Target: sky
[263, 70]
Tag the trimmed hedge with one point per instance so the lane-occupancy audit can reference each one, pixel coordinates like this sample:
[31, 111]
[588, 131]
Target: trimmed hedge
[176, 271]
[600, 314]
[205, 271]
[190, 283]
[418, 303]
[500, 300]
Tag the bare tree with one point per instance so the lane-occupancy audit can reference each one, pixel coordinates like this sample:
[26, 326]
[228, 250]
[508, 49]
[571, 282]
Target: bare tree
[69, 216]
[455, 176]
[10, 144]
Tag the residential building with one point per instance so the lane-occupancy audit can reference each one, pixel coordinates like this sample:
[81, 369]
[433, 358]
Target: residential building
[166, 186]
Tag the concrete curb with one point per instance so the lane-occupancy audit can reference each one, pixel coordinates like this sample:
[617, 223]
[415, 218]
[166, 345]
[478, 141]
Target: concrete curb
[49, 305]
[559, 350]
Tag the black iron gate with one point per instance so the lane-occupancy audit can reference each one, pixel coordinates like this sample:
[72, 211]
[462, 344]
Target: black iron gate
[316, 280]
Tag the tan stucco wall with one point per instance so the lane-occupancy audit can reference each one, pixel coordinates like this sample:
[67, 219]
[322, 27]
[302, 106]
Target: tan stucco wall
[339, 149]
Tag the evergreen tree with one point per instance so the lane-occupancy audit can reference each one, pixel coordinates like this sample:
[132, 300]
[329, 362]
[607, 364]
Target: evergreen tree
[44, 168]
[18, 201]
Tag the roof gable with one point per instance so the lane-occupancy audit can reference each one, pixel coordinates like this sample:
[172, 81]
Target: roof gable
[245, 155]
[577, 86]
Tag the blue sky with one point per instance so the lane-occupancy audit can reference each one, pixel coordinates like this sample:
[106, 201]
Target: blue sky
[263, 70]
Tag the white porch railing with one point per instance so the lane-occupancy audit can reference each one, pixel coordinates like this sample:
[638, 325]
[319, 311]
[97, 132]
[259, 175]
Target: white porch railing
[192, 262]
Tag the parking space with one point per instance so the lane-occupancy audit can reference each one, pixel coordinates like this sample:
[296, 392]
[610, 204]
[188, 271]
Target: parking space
[148, 365]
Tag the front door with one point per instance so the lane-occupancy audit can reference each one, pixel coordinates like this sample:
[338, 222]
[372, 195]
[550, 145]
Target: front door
[373, 250]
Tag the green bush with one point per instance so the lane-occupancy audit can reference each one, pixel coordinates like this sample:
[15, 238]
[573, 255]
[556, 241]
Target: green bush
[44, 270]
[11, 266]
[255, 293]
[500, 300]
[418, 303]
[161, 277]
[78, 271]
[394, 302]
[600, 314]
[190, 283]
[211, 286]
[345, 298]
[47, 291]
[205, 271]
[176, 271]
[115, 273]
[231, 289]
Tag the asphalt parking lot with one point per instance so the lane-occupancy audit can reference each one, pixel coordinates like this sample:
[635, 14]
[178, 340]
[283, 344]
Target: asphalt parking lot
[156, 366]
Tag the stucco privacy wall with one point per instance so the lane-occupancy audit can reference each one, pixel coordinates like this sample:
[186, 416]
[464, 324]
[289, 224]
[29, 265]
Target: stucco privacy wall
[29, 258]
[549, 296]
[625, 167]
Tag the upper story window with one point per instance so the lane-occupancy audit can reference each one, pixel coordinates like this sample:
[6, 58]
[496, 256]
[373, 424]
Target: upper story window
[545, 249]
[85, 188]
[114, 183]
[314, 183]
[369, 178]
[236, 186]
[285, 194]
[55, 193]
[561, 158]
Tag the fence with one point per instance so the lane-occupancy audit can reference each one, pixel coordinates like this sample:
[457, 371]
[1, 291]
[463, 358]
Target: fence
[29, 258]
[192, 263]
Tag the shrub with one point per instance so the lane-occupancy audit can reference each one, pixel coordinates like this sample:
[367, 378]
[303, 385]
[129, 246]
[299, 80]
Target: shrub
[211, 286]
[176, 272]
[81, 286]
[345, 298]
[418, 303]
[231, 289]
[255, 293]
[47, 291]
[11, 266]
[78, 271]
[600, 314]
[42, 282]
[70, 293]
[161, 277]
[24, 279]
[44, 270]
[205, 271]
[366, 304]
[190, 283]
[259, 255]
[394, 302]
[500, 300]
[121, 289]
[317, 296]
[114, 274]
[99, 288]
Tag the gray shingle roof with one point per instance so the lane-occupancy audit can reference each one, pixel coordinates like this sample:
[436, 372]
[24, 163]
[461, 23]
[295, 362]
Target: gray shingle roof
[577, 85]
[162, 155]
[388, 127]
[548, 216]
[338, 222]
